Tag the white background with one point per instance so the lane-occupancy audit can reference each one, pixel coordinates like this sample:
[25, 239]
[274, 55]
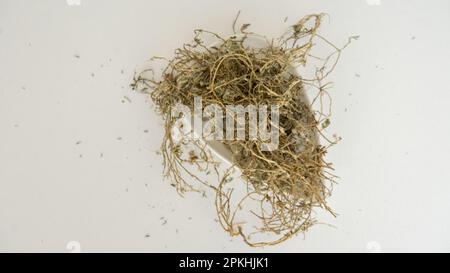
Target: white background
[394, 190]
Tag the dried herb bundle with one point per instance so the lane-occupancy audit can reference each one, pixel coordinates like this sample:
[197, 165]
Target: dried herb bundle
[281, 187]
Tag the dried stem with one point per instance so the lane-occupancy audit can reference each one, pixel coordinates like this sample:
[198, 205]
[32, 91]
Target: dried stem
[288, 183]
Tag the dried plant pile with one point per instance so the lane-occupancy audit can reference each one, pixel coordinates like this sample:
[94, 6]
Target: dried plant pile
[287, 183]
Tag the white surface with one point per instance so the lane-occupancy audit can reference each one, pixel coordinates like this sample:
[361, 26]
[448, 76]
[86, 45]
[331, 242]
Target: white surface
[393, 162]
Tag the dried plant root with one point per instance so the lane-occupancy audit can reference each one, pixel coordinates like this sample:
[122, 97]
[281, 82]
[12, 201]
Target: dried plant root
[283, 186]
